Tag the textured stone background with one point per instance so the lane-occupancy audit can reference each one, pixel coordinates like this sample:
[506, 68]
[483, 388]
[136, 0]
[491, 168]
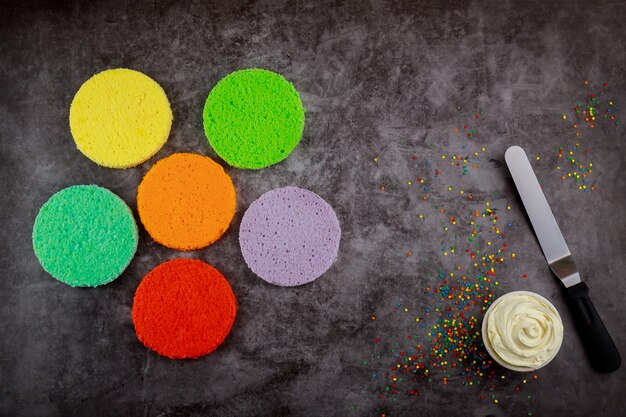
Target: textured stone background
[377, 78]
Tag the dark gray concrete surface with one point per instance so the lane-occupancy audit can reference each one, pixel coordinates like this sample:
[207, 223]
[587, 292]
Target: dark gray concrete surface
[378, 79]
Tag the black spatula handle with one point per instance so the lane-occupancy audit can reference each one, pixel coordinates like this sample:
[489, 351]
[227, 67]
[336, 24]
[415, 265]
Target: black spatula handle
[601, 350]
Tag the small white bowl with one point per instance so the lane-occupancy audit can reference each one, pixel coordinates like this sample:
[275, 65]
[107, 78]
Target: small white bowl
[487, 343]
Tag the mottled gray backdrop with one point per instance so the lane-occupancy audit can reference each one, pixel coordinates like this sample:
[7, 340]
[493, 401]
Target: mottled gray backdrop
[378, 79]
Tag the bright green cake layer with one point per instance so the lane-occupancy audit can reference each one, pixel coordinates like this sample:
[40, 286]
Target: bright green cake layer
[85, 236]
[253, 118]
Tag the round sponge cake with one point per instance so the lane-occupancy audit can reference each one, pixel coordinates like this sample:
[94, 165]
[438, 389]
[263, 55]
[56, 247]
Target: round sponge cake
[183, 308]
[85, 236]
[186, 201]
[119, 118]
[289, 236]
[253, 118]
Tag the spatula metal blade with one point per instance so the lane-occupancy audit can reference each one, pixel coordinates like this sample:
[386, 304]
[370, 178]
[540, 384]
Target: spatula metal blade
[547, 230]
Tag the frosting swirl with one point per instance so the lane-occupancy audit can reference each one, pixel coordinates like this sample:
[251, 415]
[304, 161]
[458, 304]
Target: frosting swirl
[523, 329]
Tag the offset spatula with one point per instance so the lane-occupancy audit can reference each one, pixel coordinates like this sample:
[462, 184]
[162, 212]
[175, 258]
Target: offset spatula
[601, 350]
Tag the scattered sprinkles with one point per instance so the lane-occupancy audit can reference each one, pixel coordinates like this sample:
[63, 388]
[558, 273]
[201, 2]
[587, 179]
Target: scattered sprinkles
[574, 163]
[443, 342]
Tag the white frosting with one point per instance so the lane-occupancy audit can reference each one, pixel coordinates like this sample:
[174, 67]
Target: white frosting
[523, 330]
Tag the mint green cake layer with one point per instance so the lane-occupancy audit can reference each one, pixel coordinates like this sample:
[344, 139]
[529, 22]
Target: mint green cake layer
[85, 236]
[253, 118]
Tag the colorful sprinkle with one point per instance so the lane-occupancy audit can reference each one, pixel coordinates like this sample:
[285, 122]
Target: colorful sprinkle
[442, 343]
